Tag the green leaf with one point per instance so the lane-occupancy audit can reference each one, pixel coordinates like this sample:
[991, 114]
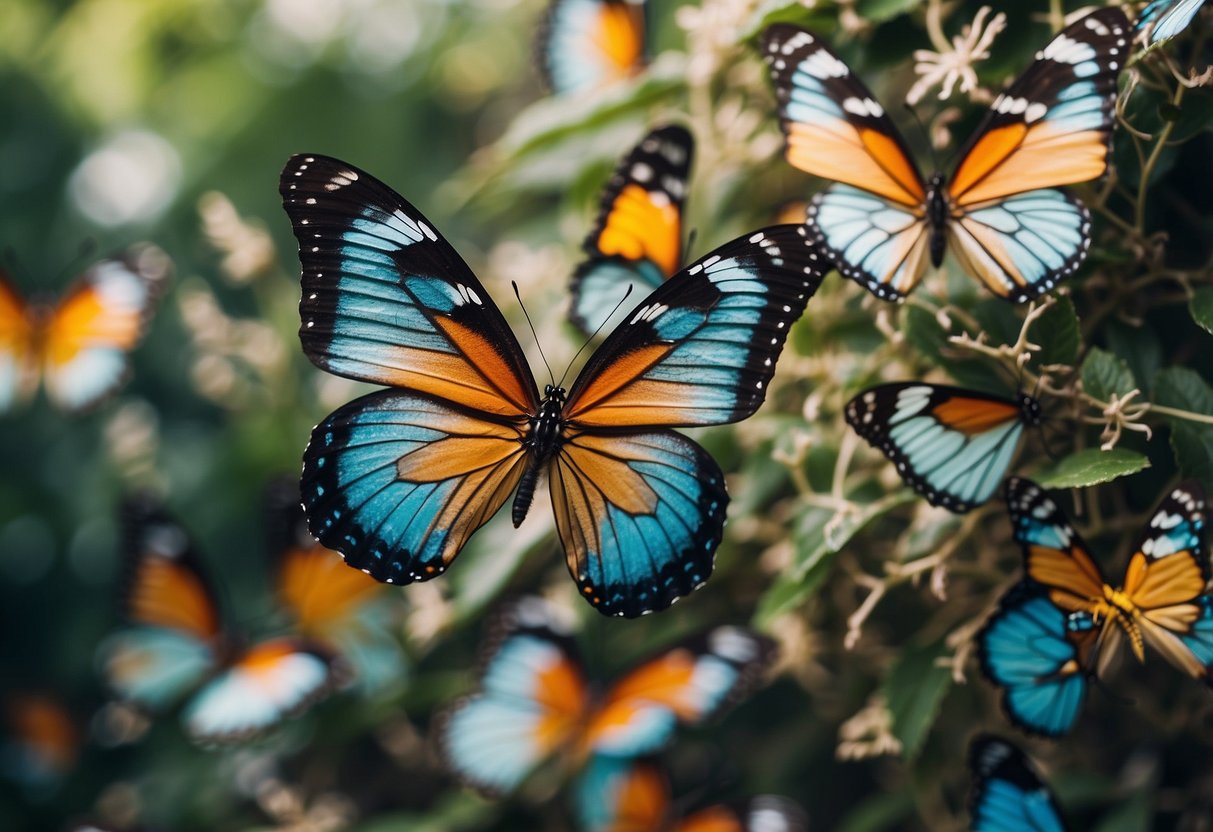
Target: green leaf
[914, 690]
[923, 332]
[1091, 467]
[1192, 442]
[1130, 815]
[1104, 374]
[1057, 332]
[878, 11]
[1201, 307]
[1137, 344]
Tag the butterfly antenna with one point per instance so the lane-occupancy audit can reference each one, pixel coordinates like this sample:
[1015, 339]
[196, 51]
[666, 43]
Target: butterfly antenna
[926, 134]
[594, 335]
[534, 334]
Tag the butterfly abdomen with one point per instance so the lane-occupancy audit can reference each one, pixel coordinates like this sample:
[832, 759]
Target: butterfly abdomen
[541, 441]
[937, 218]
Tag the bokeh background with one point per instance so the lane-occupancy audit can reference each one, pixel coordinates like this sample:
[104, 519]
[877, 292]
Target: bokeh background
[129, 120]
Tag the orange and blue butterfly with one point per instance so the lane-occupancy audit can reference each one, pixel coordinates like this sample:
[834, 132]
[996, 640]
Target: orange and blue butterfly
[623, 795]
[1064, 623]
[398, 480]
[176, 644]
[343, 609]
[1008, 794]
[586, 45]
[80, 346]
[1000, 212]
[953, 446]
[40, 740]
[637, 239]
[535, 701]
[1164, 19]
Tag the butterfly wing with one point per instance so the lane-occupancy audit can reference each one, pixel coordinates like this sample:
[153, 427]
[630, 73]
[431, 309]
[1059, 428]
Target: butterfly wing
[641, 514]
[695, 681]
[267, 684]
[87, 339]
[387, 300]
[637, 239]
[18, 370]
[1034, 651]
[1008, 794]
[1164, 19]
[1166, 580]
[532, 698]
[1052, 127]
[951, 445]
[621, 794]
[872, 224]
[176, 632]
[584, 45]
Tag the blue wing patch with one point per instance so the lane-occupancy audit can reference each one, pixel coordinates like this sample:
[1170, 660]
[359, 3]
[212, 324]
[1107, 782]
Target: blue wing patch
[1164, 19]
[1008, 794]
[641, 516]
[1029, 649]
[398, 482]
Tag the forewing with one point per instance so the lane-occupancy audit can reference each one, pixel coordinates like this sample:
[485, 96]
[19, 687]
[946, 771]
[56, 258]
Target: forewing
[397, 482]
[637, 239]
[1053, 125]
[1054, 554]
[622, 794]
[640, 516]
[879, 244]
[1164, 19]
[89, 335]
[702, 347]
[387, 300]
[266, 685]
[951, 445]
[18, 369]
[532, 698]
[584, 45]
[834, 126]
[1030, 652]
[1008, 794]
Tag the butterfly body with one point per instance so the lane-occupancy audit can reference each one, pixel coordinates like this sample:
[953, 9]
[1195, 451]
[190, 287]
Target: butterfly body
[1064, 622]
[398, 480]
[1000, 212]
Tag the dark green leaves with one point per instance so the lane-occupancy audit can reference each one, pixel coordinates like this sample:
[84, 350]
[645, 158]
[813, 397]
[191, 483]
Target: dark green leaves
[1092, 466]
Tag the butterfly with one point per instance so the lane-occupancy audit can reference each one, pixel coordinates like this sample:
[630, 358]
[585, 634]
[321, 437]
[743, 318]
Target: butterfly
[177, 645]
[951, 445]
[1000, 212]
[79, 347]
[1164, 19]
[637, 239]
[584, 45]
[535, 700]
[1064, 623]
[399, 479]
[341, 608]
[40, 740]
[1008, 795]
[623, 795]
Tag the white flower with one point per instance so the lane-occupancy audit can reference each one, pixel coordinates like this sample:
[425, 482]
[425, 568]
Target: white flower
[950, 66]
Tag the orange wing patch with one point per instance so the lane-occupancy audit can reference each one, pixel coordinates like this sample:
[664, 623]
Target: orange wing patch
[664, 681]
[866, 159]
[1014, 159]
[622, 373]
[1174, 579]
[1074, 577]
[167, 594]
[643, 224]
[86, 319]
[621, 36]
[317, 586]
[974, 416]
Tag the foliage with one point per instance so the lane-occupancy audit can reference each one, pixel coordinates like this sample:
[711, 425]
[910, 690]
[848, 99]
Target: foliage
[873, 596]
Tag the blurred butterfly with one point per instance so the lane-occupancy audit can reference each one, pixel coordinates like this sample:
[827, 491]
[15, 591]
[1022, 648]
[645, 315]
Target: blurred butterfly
[951, 445]
[1000, 212]
[80, 346]
[40, 742]
[1164, 19]
[1008, 795]
[341, 608]
[398, 480]
[177, 644]
[535, 700]
[584, 45]
[637, 240]
[624, 795]
[1064, 622]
